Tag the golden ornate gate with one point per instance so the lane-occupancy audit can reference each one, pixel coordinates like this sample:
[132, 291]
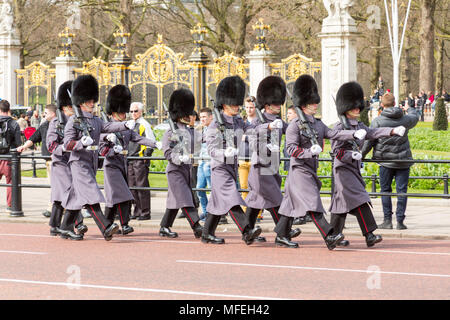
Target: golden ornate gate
[155, 75]
[35, 85]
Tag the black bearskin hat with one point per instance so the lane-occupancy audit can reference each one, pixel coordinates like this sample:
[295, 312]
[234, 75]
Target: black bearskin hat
[118, 100]
[349, 96]
[181, 104]
[63, 98]
[84, 88]
[305, 91]
[230, 91]
[271, 90]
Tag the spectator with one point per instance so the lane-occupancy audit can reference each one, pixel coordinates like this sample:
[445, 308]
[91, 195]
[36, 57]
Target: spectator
[35, 119]
[40, 136]
[392, 148]
[138, 169]
[446, 96]
[244, 149]
[291, 114]
[421, 105]
[380, 86]
[23, 124]
[411, 101]
[204, 166]
[9, 139]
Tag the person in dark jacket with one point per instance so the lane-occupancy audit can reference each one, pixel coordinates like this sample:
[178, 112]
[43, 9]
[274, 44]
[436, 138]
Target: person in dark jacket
[10, 139]
[392, 148]
[40, 135]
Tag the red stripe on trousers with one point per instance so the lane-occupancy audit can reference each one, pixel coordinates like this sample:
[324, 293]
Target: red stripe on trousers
[273, 210]
[187, 215]
[317, 224]
[120, 213]
[93, 211]
[360, 214]
[234, 218]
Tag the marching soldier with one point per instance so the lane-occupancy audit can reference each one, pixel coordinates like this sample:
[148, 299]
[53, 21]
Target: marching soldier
[350, 195]
[178, 146]
[302, 188]
[222, 139]
[61, 177]
[264, 181]
[81, 138]
[113, 147]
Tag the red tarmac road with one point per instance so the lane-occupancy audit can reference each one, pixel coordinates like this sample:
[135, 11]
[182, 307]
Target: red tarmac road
[142, 265]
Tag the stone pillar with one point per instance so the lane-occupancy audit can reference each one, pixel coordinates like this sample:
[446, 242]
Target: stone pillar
[9, 62]
[259, 61]
[339, 63]
[64, 67]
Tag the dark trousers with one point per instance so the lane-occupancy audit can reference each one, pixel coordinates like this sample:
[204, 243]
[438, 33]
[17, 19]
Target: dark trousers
[321, 223]
[71, 218]
[284, 226]
[98, 216]
[56, 215]
[252, 215]
[362, 213]
[190, 213]
[138, 177]
[401, 186]
[122, 209]
[236, 213]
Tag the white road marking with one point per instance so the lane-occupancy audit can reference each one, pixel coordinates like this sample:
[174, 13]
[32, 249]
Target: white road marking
[22, 252]
[116, 237]
[314, 268]
[92, 286]
[396, 251]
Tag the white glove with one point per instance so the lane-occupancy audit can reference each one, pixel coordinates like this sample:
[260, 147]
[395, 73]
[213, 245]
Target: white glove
[356, 155]
[230, 152]
[112, 138]
[184, 158]
[360, 134]
[159, 145]
[273, 147]
[86, 141]
[117, 148]
[130, 124]
[276, 124]
[399, 131]
[316, 149]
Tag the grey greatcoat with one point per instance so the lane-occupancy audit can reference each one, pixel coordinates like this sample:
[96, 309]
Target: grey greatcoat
[264, 179]
[302, 187]
[61, 177]
[178, 173]
[349, 186]
[224, 189]
[115, 166]
[83, 163]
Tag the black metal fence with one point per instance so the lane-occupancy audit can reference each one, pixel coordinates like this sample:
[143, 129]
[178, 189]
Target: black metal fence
[16, 182]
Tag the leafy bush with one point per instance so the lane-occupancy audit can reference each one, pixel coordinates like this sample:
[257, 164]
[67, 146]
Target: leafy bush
[440, 116]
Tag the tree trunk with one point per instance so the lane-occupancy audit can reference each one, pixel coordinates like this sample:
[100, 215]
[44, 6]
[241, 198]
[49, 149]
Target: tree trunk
[405, 85]
[427, 68]
[440, 65]
[376, 61]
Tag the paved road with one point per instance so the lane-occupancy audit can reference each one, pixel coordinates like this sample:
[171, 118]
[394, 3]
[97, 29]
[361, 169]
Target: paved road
[144, 266]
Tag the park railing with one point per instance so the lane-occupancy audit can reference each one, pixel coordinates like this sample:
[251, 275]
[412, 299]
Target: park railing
[16, 178]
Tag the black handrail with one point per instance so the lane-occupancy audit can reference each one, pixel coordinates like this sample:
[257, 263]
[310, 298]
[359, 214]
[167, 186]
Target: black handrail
[16, 184]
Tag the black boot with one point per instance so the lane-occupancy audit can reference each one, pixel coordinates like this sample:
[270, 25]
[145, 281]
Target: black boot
[250, 235]
[285, 242]
[371, 239]
[69, 234]
[387, 224]
[126, 229]
[166, 232]
[198, 230]
[331, 240]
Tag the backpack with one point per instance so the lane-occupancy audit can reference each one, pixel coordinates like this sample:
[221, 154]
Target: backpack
[4, 143]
